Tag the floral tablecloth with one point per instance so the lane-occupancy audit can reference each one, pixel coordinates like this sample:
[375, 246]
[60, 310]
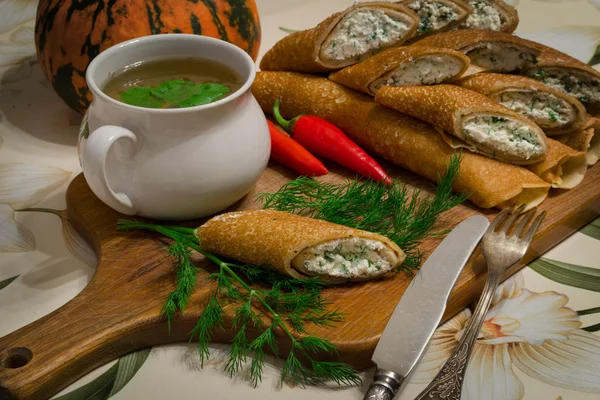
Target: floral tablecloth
[540, 339]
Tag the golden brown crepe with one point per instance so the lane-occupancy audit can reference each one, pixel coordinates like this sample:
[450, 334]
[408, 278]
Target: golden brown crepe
[342, 39]
[403, 66]
[569, 75]
[398, 138]
[552, 110]
[481, 125]
[491, 50]
[437, 15]
[587, 141]
[299, 246]
[495, 15]
[472, 70]
[564, 167]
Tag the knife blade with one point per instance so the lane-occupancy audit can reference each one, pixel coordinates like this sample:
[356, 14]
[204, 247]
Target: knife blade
[419, 311]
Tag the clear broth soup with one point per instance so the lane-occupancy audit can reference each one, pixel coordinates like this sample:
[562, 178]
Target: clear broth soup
[173, 83]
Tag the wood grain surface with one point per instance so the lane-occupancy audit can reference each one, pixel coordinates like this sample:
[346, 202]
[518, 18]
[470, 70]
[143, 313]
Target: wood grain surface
[119, 311]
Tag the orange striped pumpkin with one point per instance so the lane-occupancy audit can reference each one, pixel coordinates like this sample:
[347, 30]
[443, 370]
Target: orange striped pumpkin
[70, 33]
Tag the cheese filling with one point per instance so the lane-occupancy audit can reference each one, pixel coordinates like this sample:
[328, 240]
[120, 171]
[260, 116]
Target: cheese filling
[348, 258]
[497, 134]
[500, 58]
[583, 87]
[365, 31]
[484, 16]
[429, 69]
[434, 15]
[545, 109]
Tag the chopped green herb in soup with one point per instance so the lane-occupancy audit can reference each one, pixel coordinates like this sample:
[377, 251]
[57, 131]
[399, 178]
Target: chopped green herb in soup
[173, 83]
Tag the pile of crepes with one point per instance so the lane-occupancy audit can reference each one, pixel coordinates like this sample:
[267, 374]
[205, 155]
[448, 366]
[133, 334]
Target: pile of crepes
[414, 82]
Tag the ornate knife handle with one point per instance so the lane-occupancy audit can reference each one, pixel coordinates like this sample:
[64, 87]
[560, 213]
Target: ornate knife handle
[384, 386]
[447, 384]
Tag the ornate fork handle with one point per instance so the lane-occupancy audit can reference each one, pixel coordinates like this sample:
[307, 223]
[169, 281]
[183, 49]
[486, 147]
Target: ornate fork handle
[447, 384]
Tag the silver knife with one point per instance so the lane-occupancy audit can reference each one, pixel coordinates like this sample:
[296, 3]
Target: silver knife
[421, 307]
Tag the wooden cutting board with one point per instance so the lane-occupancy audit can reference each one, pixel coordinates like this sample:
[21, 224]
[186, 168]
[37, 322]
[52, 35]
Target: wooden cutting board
[119, 311]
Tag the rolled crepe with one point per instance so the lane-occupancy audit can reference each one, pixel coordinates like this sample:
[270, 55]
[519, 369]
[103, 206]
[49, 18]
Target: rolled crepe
[569, 75]
[300, 246]
[473, 70]
[493, 51]
[343, 39]
[438, 15]
[564, 167]
[481, 125]
[494, 15]
[552, 110]
[403, 66]
[398, 138]
[587, 141]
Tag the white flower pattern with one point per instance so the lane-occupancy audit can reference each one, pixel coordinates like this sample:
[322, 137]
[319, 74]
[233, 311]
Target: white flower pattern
[18, 48]
[15, 12]
[534, 332]
[24, 185]
[14, 237]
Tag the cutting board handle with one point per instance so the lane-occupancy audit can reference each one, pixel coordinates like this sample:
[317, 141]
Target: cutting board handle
[78, 336]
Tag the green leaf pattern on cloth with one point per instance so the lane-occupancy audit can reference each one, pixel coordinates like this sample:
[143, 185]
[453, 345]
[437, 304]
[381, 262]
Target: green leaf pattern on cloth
[592, 229]
[536, 333]
[568, 274]
[112, 381]
[7, 282]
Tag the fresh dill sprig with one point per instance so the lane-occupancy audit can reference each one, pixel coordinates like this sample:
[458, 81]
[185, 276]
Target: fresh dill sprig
[186, 281]
[279, 304]
[405, 218]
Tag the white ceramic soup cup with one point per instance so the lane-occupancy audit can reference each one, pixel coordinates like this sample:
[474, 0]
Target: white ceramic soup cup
[172, 164]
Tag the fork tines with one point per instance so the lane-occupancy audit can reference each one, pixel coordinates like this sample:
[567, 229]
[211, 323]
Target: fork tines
[499, 223]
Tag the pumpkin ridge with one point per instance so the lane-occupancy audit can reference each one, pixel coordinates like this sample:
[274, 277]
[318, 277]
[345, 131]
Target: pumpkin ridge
[212, 8]
[81, 5]
[76, 98]
[195, 23]
[109, 13]
[44, 24]
[155, 26]
[241, 17]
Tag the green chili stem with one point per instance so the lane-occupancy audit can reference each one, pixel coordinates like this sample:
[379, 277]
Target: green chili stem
[285, 124]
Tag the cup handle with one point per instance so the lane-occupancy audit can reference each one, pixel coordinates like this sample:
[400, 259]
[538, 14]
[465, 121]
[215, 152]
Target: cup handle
[96, 148]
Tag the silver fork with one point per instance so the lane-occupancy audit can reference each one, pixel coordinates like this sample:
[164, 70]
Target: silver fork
[501, 251]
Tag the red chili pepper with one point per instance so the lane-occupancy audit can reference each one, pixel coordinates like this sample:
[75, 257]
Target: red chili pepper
[290, 153]
[324, 139]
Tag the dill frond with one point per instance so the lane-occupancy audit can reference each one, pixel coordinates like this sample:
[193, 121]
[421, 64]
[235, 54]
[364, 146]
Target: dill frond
[405, 218]
[315, 344]
[211, 319]
[186, 281]
[337, 372]
[238, 353]
[290, 303]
